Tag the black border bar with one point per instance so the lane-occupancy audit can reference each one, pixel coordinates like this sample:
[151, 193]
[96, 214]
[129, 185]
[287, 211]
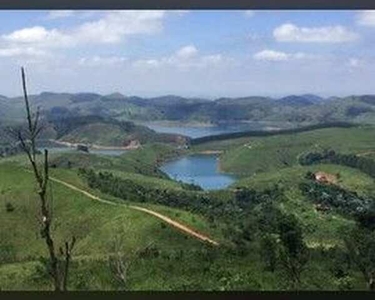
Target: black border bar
[187, 4]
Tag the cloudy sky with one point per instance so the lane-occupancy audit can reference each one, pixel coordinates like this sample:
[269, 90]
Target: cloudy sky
[189, 53]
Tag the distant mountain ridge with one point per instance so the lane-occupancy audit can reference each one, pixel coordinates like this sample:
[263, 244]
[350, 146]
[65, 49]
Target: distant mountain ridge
[305, 108]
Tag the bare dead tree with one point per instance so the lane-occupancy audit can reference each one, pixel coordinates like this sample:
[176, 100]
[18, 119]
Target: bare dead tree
[27, 141]
[119, 266]
[120, 263]
[67, 252]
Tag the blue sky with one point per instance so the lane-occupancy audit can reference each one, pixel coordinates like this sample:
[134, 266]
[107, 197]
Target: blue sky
[189, 53]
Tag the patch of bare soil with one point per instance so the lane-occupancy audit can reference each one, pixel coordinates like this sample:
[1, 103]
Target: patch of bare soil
[325, 177]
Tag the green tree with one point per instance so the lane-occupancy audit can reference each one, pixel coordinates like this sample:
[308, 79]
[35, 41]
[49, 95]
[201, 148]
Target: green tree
[360, 243]
[269, 247]
[293, 253]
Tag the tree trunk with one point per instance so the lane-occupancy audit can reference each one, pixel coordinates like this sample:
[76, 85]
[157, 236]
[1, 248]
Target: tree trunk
[41, 177]
[371, 284]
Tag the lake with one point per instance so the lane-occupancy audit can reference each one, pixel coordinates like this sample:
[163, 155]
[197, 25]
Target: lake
[200, 131]
[198, 169]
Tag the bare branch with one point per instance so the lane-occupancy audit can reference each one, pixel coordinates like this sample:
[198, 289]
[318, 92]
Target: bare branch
[36, 121]
[46, 176]
[37, 131]
[68, 252]
[42, 181]
[26, 100]
[59, 276]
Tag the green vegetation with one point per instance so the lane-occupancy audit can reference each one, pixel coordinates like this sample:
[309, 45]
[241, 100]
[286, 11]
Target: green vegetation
[246, 156]
[95, 227]
[263, 133]
[103, 131]
[294, 109]
[364, 164]
[144, 161]
[278, 228]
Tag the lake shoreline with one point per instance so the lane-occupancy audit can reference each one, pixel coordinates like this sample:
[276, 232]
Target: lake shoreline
[96, 147]
[171, 124]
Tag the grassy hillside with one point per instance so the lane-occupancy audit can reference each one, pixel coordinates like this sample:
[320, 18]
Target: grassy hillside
[163, 258]
[177, 262]
[96, 226]
[246, 156]
[349, 178]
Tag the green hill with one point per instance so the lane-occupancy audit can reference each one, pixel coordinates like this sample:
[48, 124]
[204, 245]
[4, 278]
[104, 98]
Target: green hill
[296, 109]
[321, 228]
[100, 131]
[96, 226]
[267, 200]
[176, 261]
[248, 155]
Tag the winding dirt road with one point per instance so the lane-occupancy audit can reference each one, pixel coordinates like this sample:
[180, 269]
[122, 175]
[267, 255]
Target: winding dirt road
[166, 219]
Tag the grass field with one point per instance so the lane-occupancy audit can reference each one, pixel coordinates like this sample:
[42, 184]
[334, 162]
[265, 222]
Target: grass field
[249, 156]
[95, 225]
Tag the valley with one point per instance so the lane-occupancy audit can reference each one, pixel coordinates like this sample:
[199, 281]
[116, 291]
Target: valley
[184, 150]
[200, 231]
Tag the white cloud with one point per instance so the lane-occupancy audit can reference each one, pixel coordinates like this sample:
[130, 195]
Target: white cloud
[187, 52]
[249, 13]
[102, 60]
[146, 63]
[366, 18]
[39, 36]
[116, 25]
[186, 57]
[331, 34]
[272, 55]
[29, 51]
[112, 27]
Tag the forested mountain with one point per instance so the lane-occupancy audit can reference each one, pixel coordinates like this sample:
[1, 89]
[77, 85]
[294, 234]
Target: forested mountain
[294, 108]
[62, 125]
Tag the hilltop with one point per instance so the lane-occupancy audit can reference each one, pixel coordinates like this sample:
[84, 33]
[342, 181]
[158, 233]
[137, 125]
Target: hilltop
[298, 109]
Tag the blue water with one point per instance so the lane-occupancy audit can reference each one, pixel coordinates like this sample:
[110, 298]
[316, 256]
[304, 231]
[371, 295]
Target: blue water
[199, 131]
[198, 169]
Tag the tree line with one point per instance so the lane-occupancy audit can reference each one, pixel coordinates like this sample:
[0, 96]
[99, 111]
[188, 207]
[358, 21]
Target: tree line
[363, 164]
[263, 133]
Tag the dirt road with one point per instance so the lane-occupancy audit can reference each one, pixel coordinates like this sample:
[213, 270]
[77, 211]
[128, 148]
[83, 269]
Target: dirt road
[166, 219]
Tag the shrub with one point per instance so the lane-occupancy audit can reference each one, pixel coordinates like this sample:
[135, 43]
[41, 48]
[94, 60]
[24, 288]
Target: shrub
[9, 207]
